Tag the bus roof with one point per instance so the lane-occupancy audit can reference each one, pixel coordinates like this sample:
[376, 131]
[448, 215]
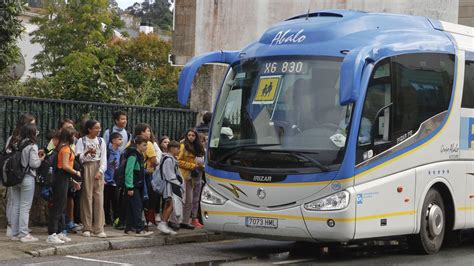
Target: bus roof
[334, 32]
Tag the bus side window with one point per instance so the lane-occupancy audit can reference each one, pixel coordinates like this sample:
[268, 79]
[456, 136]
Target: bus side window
[468, 92]
[403, 92]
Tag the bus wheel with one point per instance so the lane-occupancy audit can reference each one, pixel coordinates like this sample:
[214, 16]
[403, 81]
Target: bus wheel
[433, 224]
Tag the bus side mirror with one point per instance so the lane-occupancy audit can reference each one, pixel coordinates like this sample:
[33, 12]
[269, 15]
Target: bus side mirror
[352, 68]
[190, 69]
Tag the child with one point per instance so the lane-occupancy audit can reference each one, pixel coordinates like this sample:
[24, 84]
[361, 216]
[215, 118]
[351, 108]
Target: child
[134, 181]
[111, 190]
[170, 173]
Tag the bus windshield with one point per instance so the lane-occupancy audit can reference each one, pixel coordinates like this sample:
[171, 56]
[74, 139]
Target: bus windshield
[280, 113]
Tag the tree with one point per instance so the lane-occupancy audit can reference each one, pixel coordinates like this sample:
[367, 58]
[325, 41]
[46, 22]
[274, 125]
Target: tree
[77, 25]
[158, 13]
[10, 30]
[143, 63]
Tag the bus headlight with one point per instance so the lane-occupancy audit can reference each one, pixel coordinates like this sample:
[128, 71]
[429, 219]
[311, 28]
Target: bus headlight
[209, 196]
[336, 201]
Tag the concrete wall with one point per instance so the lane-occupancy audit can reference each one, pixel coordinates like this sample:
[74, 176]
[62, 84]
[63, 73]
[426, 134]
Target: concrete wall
[466, 12]
[232, 24]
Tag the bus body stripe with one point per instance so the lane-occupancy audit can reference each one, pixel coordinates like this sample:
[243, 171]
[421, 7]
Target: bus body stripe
[313, 218]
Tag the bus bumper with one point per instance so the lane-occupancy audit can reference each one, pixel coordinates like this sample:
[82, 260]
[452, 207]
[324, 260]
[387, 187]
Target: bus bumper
[231, 218]
[294, 224]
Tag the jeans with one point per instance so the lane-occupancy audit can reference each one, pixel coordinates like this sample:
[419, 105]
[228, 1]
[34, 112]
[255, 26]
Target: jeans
[134, 211]
[56, 219]
[22, 198]
[196, 196]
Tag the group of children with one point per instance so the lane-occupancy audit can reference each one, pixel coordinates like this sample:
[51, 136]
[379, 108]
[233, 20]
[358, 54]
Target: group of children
[99, 181]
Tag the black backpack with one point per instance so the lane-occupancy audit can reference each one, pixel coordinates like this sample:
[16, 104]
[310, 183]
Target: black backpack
[45, 177]
[119, 174]
[12, 170]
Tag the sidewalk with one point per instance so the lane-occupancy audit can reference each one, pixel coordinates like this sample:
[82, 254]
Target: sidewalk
[115, 240]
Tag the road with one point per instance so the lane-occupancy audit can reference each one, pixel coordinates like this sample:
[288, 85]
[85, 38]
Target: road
[262, 252]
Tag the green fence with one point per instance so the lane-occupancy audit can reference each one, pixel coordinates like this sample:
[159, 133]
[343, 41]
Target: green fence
[48, 113]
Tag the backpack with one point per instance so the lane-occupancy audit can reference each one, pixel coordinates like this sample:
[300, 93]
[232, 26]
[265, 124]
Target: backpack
[45, 177]
[119, 174]
[12, 170]
[158, 182]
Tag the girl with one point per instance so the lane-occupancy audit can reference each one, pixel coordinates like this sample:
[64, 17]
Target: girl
[12, 141]
[22, 194]
[190, 149]
[62, 176]
[197, 185]
[92, 151]
[163, 143]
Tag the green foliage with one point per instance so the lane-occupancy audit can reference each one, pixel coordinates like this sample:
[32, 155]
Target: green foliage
[82, 60]
[143, 63]
[158, 13]
[10, 30]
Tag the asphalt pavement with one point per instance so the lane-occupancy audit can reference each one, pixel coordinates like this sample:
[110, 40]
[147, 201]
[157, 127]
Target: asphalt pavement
[261, 252]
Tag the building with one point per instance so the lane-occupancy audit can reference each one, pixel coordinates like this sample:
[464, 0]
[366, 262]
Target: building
[207, 25]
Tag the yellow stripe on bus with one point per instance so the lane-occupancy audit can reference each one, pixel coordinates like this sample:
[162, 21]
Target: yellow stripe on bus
[312, 218]
[467, 208]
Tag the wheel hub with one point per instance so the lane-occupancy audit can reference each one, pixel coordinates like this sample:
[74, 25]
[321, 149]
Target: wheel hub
[435, 220]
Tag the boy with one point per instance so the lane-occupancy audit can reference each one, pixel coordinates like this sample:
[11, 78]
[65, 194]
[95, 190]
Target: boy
[134, 183]
[170, 173]
[111, 190]
[120, 123]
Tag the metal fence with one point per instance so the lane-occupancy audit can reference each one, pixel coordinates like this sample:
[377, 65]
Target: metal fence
[48, 113]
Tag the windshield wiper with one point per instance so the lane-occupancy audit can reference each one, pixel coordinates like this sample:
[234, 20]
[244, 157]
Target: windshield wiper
[234, 150]
[318, 164]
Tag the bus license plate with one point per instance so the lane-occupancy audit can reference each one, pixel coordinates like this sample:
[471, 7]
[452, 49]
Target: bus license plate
[261, 222]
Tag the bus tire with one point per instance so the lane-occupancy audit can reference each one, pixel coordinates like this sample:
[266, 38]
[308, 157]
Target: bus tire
[432, 225]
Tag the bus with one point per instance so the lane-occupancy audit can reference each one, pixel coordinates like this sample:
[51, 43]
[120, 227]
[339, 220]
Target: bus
[339, 126]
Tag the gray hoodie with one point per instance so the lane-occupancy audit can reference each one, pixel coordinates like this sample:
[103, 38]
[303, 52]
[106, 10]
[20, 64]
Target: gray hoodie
[29, 157]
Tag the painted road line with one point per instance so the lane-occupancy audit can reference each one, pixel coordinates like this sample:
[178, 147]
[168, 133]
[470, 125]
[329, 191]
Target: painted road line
[100, 261]
[292, 261]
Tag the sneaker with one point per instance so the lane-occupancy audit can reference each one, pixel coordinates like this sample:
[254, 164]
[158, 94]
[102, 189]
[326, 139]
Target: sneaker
[28, 238]
[187, 226]
[162, 227]
[15, 238]
[63, 237]
[100, 235]
[77, 227]
[172, 232]
[144, 233]
[9, 231]
[173, 226]
[86, 234]
[54, 239]
[195, 222]
[157, 218]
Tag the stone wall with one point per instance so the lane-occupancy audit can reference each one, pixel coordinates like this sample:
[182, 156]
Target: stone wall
[466, 12]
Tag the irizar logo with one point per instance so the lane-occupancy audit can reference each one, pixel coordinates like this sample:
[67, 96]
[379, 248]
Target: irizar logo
[285, 37]
[262, 178]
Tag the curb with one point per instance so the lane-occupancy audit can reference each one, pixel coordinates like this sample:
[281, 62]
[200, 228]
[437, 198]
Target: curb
[127, 243]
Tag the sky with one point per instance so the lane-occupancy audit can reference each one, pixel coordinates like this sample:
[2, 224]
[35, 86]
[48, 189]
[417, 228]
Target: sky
[123, 4]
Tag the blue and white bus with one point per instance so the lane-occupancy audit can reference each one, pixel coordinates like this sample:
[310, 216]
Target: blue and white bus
[341, 125]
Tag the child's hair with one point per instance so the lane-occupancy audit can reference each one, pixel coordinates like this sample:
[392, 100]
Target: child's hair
[66, 136]
[52, 134]
[28, 131]
[117, 114]
[115, 135]
[173, 144]
[139, 140]
[140, 128]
